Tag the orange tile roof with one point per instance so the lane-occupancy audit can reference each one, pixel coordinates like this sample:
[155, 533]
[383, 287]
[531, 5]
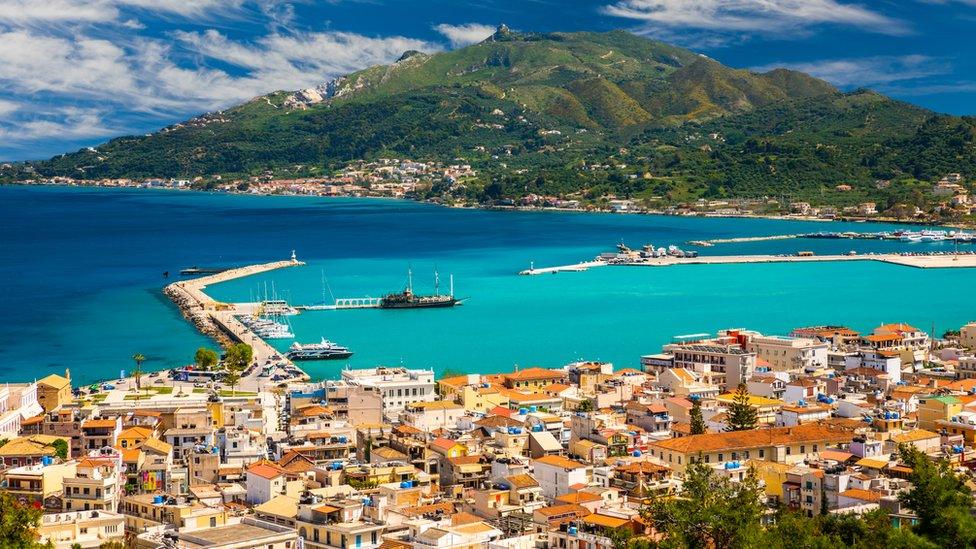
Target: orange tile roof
[568, 508]
[643, 467]
[579, 497]
[99, 424]
[605, 521]
[560, 461]
[534, 374]
[756, 438]
[266, 469]
[522, 481]
[863, 495]
[444, 443]
[899, 327]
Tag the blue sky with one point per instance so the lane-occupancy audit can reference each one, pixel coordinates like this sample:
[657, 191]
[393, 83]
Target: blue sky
[75, 73]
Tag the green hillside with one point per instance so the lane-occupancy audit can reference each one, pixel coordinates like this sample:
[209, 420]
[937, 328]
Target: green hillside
[669, 122]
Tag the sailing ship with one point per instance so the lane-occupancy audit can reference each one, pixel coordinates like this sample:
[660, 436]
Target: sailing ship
[409, 300]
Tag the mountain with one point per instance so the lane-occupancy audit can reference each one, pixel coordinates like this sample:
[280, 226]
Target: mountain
[534, 113]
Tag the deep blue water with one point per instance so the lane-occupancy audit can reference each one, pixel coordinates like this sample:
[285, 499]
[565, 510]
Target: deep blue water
[81, 274]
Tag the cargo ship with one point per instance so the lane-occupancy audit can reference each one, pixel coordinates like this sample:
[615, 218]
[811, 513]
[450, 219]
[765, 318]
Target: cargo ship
[409, 300]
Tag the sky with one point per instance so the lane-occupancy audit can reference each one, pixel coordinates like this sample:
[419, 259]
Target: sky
[75, 73]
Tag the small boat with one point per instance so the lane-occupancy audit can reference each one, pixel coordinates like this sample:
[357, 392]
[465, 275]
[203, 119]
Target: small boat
[325, 350]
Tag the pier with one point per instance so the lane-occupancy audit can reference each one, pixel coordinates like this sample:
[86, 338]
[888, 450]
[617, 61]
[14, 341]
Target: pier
[345, 303]
[219, 320]
[576, 267]
[919, 261]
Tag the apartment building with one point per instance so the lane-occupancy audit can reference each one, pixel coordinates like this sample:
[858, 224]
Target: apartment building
[399, 386]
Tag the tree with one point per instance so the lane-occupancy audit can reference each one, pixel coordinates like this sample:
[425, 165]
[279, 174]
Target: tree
[697, 421]
[741, 415]
[238, 356]
[232, 378]
[713, 511]
[940, 499]
[18, 524]
[368, 449]
[585, 405]
[60, 448]
[205, 358]
[137, 371]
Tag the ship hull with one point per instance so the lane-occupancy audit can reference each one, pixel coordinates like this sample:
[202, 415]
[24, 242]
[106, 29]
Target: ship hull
[418, 304]
[333, 356]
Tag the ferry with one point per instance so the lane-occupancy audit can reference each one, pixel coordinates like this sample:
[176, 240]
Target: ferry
[326, 350]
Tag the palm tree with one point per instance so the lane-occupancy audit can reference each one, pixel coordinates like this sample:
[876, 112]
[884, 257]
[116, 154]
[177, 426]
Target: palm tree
[137, 371]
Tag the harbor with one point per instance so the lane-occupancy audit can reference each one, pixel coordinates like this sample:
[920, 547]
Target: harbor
[958, 237]
[649, 256]
[222, 321]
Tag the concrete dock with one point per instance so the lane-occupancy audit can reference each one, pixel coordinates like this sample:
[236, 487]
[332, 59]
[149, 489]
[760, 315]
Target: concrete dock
[934, 261]
[576, 267]
[219, 320]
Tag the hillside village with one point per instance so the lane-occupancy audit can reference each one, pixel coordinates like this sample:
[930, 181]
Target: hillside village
[392, 458]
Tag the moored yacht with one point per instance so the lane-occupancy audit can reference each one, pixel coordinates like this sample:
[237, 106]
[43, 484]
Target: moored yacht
[326, 350]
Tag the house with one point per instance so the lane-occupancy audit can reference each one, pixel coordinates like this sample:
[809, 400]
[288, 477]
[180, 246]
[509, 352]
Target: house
[54, 391]
[533, 378]
[433, 415]
[97, 484]
[448, 448]
[779, 444]
[265, 480]
[28, 450]
[81, 528]
[38, 483]
[556, 474]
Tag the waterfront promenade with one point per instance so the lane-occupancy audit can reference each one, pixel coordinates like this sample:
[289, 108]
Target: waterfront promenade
[934, 261]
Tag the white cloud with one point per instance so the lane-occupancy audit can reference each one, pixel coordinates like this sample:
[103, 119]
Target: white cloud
[63, 123]
[463, 35]
[868, 71]
[33, 12]
[752, 16]
[8, 107]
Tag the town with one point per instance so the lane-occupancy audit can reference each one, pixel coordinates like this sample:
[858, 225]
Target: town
[460, 185]
[824, 421]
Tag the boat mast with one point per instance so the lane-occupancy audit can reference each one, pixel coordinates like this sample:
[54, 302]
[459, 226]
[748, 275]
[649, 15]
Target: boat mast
[452, 285]
[409, 279]
[437, 283]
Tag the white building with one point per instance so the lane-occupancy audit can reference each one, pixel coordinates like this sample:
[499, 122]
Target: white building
[556, 474]
[888, 362]
[786, 354]
[84, 528]
[399, 386]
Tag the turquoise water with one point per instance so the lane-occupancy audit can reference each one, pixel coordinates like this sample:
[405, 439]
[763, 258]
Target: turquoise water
[81, 278]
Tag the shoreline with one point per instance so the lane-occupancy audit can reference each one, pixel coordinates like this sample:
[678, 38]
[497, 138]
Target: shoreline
[515, 208]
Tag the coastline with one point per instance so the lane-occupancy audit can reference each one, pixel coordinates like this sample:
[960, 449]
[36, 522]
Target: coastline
[521, 208]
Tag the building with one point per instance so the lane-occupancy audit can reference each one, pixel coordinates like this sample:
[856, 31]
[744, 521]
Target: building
[556, 474]
[788, 354]
[54, 391]
[28, 450]
[265, 480]
[86, 529]
[720, 363]
[250, 533]
[778, 444]
[150, 510]
[336, 524]
[97, 484]
[399, 386]
[38, 483]
[431, 415]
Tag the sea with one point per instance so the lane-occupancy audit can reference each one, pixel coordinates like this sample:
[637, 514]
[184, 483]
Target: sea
[82, 272]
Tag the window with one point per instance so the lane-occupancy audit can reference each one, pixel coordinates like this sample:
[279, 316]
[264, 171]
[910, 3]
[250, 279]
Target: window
[789, 450]
[213, 522]
[721, 457]
[762, 453]
[803, 448]
[707, 458]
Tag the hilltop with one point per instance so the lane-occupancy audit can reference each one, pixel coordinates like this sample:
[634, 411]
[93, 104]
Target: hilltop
[565, 113]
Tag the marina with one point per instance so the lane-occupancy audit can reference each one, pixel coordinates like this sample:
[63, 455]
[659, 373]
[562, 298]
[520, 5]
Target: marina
[238, 322]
